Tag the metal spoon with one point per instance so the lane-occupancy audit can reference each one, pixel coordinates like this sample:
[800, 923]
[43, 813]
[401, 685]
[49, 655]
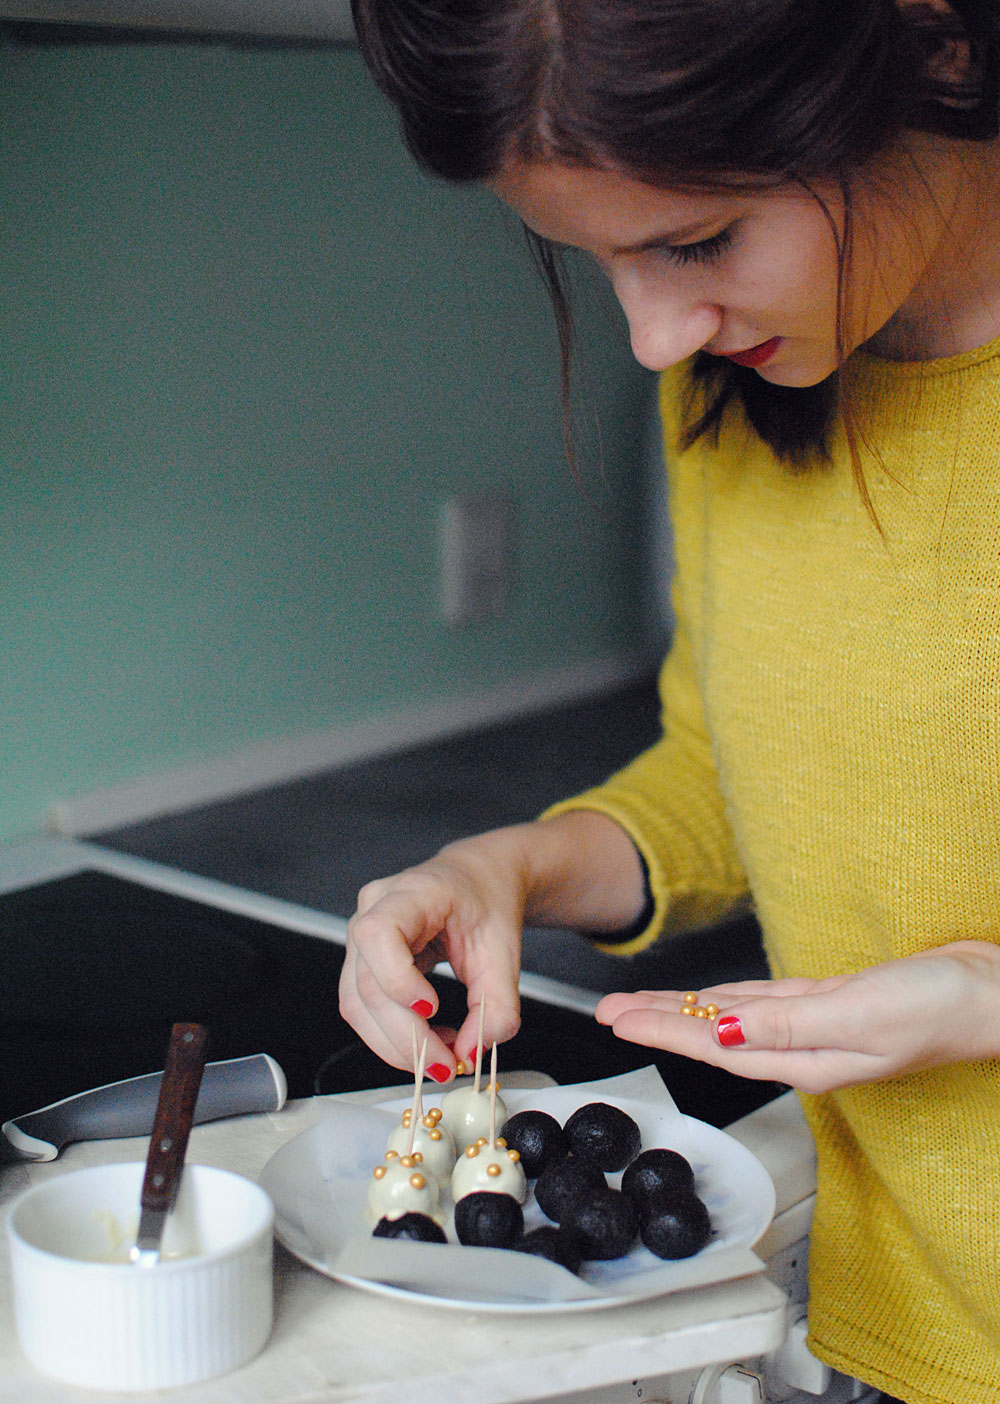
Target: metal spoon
[182, 1074]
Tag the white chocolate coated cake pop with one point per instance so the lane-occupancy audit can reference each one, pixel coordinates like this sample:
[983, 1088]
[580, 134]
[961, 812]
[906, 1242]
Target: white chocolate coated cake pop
[430, 1138]
[465, 1111]
[417, 1132]
[401, 1186]
[466, 1114]
[495, 1169]
[487, 1165]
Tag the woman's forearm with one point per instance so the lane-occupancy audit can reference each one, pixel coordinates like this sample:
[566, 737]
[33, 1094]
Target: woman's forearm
[581, 870]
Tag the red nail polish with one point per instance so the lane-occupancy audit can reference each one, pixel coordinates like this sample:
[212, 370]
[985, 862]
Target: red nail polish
[439, 1072]
[730, 1031]
[423, 1008]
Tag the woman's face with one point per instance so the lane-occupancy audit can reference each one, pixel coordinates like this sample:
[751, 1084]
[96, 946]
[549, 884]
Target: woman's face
[748, 274]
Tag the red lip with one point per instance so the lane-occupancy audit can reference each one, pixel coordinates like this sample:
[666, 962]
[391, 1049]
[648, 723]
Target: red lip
[755, 355]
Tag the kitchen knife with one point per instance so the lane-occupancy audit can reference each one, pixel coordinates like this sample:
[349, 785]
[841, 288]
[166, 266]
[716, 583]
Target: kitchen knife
[233, 1087]
[172, 1124]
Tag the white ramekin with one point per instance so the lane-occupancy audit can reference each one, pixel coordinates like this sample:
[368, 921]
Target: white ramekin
[88, 1316]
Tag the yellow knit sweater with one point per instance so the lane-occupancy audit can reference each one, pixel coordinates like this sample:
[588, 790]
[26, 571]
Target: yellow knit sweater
[831, 752]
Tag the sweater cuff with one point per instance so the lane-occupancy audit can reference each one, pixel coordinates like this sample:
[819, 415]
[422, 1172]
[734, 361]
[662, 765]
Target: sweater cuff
[643, 932]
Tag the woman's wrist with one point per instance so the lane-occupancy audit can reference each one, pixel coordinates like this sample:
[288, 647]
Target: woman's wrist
[578, 870]
[980, 1011]
[584, 872]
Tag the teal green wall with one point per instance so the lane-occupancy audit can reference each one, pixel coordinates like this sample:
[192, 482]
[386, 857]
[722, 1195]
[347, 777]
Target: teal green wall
[247, 350]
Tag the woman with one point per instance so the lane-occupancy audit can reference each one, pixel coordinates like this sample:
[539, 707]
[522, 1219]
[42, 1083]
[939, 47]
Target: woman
[796, 204]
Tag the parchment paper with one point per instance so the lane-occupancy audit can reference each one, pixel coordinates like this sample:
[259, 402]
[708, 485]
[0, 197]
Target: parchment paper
[320, 1182]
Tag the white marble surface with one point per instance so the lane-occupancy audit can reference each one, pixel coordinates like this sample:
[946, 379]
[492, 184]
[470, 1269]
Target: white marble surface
[334, 1344]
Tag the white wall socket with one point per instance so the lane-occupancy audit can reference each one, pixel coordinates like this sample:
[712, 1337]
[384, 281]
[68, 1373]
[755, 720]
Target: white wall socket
[476, 556]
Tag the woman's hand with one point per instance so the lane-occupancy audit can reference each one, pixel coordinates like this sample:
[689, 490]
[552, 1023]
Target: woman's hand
[939, 1006]
[467, 906]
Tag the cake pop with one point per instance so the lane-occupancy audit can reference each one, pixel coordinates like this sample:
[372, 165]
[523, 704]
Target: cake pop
[401, 1185]
[465, 1111]
[487, 1164]
[424, 1133]
[603, 1133]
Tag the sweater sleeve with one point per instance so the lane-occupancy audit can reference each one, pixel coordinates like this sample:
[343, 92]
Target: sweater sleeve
[669, 802]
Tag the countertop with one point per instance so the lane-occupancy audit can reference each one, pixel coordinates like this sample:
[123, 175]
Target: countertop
[336, 1344]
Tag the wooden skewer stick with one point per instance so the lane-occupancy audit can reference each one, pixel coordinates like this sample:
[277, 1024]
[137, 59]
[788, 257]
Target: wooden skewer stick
[420, 1083]
[493, 1097]
[418, 1090]
[417, 1087]
[479, 1041]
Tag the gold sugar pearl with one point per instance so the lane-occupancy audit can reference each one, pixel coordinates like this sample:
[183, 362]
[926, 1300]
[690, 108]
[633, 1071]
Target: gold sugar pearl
[493, 1170]
[690, 997]
[480, 1141]
[500, 1142]
[512, 1155]
[460, 1068]
[406, 1117]
[700, 1013]
[471, 1152]
[434, 1115]
[379, 1172]
[391, 1155]
[408, 1160]
[433, 1134]
[417, 1181]
[687, 1008]
[712, 1010]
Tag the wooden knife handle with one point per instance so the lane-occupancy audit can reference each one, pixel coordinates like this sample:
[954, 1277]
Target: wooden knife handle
[182, 1074]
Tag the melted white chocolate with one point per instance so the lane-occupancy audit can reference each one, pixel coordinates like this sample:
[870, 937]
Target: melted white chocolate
[433, 1141]
[402, 1186]
[495, 1170]
[466, 1114]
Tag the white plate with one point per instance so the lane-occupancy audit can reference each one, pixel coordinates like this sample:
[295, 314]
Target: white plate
[318, 1192]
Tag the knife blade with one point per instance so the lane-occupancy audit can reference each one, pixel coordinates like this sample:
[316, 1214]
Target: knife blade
[231, 1087]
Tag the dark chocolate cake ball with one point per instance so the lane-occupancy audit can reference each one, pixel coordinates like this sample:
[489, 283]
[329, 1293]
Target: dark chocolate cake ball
[556, 1244]
[606, 1221]
[605, 1133]
[564, 1181]
[657, 1169]
[486, 1220]
[675, 1226]
[538, 1138]
[418, 1228]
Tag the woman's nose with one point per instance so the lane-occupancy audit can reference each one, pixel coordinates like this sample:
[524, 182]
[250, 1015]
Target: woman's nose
[666, 328]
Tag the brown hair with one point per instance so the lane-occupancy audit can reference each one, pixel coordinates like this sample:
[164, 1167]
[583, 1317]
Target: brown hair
[684, 93]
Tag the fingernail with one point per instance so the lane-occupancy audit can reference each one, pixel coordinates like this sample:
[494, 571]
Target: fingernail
[439, 1072]
[730, 1031]
[423, 1008]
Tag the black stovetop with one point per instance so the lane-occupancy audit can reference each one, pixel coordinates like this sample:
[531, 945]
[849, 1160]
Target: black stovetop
[94, 969]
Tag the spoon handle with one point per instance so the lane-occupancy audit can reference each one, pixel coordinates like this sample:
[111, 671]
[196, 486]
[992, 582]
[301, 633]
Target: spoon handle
[182, 1074]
